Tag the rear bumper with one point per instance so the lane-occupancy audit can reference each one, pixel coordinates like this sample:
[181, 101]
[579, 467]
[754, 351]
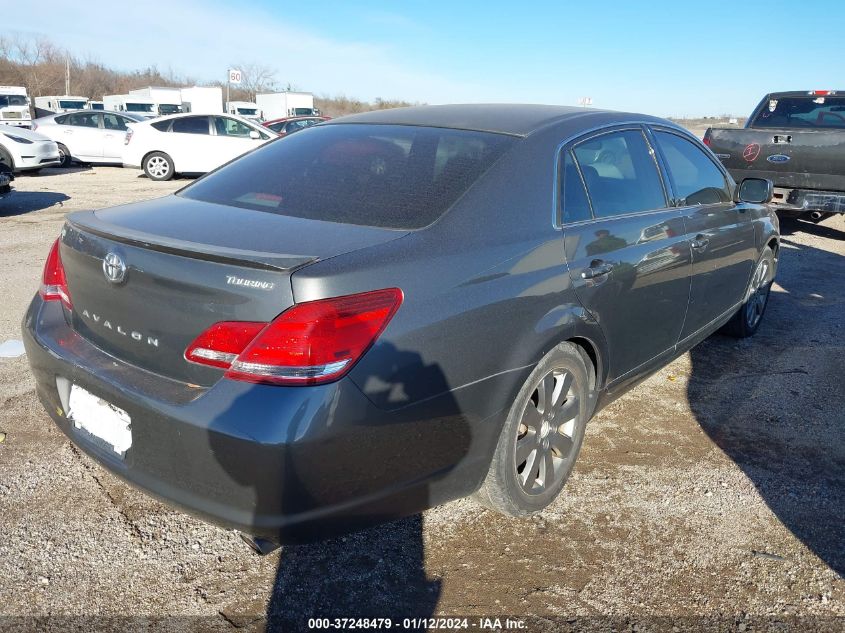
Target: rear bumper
[291, 464]
[798, 201]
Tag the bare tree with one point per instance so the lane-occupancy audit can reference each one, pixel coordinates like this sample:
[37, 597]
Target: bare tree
[255, 78]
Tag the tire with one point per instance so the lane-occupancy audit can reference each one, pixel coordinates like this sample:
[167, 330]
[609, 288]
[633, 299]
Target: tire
[158, 166]
[6, 159]
[749, 316]
[64, 155]
[540, 437]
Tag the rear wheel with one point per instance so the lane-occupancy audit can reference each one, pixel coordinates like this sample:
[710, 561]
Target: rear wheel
[749, 316]
[64, 156]
[158, 166]
[542, 435]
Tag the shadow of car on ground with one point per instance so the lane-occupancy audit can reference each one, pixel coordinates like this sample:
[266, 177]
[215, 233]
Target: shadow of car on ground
[775, 403]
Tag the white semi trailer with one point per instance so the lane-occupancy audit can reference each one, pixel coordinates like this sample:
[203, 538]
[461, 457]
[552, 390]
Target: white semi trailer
[278, 105]
[14, 106]
[202, 99]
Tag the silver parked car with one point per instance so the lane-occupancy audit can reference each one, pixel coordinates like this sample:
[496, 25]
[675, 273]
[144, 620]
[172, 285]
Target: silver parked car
[87, 136]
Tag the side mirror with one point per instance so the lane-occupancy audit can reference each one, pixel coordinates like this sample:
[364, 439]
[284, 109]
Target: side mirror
[254, 135]
[755, 191]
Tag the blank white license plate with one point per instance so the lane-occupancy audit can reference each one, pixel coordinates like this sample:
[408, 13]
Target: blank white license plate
[101, 419]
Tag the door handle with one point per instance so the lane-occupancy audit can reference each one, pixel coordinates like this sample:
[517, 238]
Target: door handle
[597, 268]
[700, 243]
[68, 131]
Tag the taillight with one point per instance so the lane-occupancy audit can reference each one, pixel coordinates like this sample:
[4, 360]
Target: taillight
[33, 126]
[128, 136]
[53, 280]
[310, 343]
[706, 141]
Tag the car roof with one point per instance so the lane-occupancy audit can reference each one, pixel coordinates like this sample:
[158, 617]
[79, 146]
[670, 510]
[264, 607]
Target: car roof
[502, 118]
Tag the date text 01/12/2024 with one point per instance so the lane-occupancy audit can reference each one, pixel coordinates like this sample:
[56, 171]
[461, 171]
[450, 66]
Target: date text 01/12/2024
[442, 623]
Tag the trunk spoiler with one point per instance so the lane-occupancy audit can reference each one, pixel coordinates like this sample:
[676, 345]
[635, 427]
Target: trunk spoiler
[88, 222]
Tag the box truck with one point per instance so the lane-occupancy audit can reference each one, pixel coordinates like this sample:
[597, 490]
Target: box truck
[277, 105]
[130, 103]
[203, 99]
[165, 100]
[45, 106]
[14, 106]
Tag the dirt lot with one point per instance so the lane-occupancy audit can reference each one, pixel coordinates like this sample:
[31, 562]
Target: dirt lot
[713, 494]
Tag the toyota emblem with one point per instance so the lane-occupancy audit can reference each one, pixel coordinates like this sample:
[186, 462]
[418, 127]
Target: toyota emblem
[114, 268]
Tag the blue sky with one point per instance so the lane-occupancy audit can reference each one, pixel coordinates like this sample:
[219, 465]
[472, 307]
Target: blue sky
[665, 58]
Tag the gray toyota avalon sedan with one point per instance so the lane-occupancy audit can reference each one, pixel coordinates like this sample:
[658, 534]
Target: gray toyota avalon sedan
[393, 309]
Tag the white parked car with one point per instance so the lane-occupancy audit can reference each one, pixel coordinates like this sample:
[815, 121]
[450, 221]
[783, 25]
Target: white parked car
[88, 136]
[25, 150]
[190, 143]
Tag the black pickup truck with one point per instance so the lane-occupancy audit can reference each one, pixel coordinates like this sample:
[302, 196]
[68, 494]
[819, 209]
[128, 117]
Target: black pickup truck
[796, 140]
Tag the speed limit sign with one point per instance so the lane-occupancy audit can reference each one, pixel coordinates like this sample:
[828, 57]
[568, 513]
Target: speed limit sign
[234, 76]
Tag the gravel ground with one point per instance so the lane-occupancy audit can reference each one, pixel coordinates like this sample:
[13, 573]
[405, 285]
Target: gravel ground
[710, 496]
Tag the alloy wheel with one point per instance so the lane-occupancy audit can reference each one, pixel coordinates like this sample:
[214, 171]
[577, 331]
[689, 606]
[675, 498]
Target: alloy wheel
[759, 295]
[545, 433]
[158, 167]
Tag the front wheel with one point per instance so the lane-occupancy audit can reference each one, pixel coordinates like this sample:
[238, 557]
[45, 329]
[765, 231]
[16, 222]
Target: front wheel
[542, 435]
[158, 166]
[64, 156]
[749, 316]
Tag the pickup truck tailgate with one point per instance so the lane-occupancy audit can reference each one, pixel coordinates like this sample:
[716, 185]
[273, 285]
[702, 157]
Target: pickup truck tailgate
[811, 159]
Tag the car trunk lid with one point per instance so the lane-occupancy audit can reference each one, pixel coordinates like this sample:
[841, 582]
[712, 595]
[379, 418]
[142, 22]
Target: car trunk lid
[188, 265]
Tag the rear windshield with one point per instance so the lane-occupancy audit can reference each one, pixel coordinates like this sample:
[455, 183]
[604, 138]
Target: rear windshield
[803, 112]
[387, 176]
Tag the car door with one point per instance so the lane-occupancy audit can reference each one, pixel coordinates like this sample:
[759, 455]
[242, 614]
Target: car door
[720, 232]
[191, 145]
[626, 247]
[114, 134]
[82, 135]
[233, 139]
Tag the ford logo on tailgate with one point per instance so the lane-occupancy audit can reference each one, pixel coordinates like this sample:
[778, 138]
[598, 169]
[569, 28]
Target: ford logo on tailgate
[778, 158]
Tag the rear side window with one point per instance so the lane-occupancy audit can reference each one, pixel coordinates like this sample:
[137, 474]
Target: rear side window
[620, 173]
[191, 125]
[114, 122]
[389, 176]
[82, 119]
[61, 119]
[803, 112]
[576, 206]
[696, 179]
[161, 126]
